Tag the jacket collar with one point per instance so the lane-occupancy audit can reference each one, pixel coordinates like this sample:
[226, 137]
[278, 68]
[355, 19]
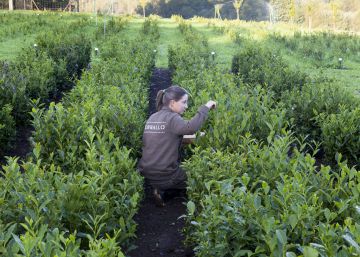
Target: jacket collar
[166, 108]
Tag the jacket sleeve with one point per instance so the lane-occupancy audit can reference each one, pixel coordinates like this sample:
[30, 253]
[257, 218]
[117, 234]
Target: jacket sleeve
[180, 126]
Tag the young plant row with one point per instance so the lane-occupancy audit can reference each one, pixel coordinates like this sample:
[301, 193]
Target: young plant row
[16, 24]
[110, 27]
[78, 194]
[40, 72]
[324, 49]
[252, 189]
[196, 58]
[307, 102]
[240, 110]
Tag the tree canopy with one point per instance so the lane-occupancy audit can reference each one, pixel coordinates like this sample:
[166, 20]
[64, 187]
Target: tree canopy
[249, 10]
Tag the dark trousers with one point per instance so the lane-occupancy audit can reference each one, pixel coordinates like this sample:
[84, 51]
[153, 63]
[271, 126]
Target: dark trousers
[178, 181]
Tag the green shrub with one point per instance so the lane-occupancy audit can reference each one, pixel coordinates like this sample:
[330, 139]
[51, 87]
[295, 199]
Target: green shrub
[105, 187]
[304, 106]
[257, 65]
[113, 26]
[323, 49]
[72, 50]
[340, 133]
[240, 110]
[150, 28]
[193, 54]
[13, 91]
[7, 127]
[37, 71]
[263, 202]
[30, 76]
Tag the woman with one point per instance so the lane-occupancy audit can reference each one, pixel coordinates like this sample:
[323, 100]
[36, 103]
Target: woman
[162, 139]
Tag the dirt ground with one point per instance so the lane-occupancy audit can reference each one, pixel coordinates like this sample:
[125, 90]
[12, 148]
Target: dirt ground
[20, 146]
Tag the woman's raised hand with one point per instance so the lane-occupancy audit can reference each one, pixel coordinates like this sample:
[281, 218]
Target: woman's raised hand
[211, 104]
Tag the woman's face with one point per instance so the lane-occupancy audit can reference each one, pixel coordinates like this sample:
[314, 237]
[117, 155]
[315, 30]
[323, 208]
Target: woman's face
[179, 106]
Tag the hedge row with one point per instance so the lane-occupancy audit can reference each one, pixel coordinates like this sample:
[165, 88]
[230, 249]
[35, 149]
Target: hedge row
[41, 72]
[80, 191]
[252, 189]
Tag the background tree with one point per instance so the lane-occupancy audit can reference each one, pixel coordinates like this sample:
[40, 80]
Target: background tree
[292, 11]
[11, 6]
[217, 10]
[143, 4]
[310, 10]
[237, 5]
[334, 6]
[281, 9]
[250, 9]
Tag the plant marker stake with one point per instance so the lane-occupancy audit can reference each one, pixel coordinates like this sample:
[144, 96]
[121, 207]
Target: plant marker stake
[96, 51]
[213, 55]
[341, 63]
[36, 49]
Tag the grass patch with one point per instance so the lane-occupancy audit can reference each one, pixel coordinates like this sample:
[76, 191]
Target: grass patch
[169, 35]
[348, 78]
[10, 49]
[220, 43]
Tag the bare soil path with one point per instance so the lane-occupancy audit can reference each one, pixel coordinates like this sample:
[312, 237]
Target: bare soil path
[159, 231]
[20, 145]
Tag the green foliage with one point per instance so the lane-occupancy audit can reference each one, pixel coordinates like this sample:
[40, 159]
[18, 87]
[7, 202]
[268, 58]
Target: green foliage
[340, 133]
[65, 133]
[250, 10]
[150, 28]
[93, 106]
[69, 51]
[7, 127]
[240, 110]
[108, 188]
[263, 202]
[12, 91]
[113, 26]
[37, 70]
[256, 65]
[38, 73]
[193, 54]
[78, 194]
[304, 106]
[39, 240]
[30, 76]
[251, 191]
[322, 49]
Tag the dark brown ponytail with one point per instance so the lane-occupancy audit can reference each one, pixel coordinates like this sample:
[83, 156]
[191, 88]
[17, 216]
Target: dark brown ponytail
[164, 97]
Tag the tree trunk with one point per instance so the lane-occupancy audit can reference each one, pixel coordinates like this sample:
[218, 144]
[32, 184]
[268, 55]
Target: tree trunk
[238, 14]
[144, 11]
[11, 6]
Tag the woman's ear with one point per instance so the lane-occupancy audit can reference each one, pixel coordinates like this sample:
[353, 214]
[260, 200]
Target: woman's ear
[171, 103]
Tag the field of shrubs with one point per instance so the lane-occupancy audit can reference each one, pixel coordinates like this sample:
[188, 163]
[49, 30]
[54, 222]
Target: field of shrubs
[275, 175]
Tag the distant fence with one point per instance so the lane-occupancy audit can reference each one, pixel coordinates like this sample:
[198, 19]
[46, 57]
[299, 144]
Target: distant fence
[89, 6]
[42, 5]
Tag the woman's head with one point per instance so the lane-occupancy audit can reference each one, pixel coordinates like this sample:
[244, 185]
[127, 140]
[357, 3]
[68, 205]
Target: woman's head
[174, 97]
